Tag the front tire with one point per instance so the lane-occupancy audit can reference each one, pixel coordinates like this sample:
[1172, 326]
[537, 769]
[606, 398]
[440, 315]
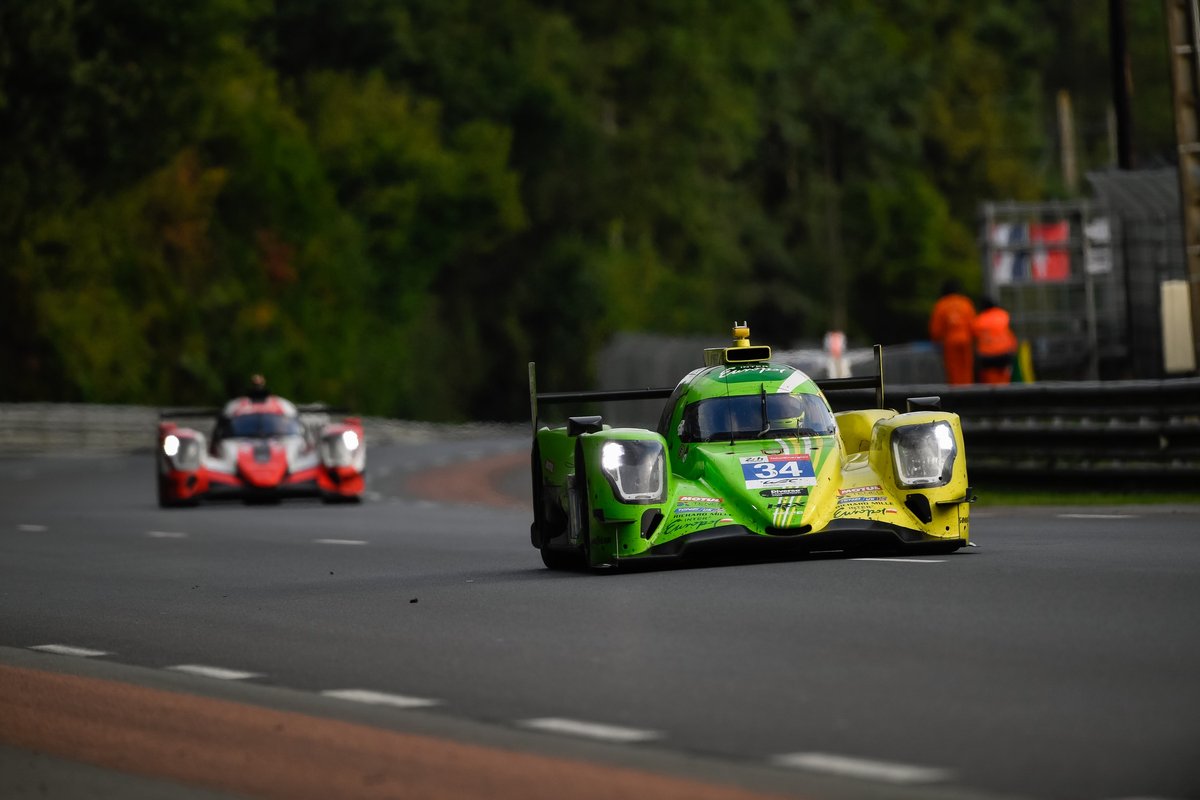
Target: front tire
[559, 559]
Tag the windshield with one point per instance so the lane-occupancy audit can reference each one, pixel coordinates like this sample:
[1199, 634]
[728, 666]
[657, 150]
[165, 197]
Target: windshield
[263, 426]
[744, 417]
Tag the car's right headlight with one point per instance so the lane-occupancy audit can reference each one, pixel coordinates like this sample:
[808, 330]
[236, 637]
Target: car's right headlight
[924, 454]
[634, 468]
[338, 449]
[183, 452]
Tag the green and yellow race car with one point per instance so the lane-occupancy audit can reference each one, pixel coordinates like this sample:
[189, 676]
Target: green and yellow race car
[747, 455]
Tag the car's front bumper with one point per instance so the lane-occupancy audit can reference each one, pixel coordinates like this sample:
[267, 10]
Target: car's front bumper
[839, 535]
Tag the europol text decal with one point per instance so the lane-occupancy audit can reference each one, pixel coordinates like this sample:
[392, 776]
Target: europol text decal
[778, 472]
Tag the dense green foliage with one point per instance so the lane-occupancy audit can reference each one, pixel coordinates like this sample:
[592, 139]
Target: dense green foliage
[395, 204]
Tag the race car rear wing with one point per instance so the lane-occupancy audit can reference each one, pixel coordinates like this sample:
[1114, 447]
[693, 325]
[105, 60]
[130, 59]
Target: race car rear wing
[307, 408]
[173, 413]
[873, 381]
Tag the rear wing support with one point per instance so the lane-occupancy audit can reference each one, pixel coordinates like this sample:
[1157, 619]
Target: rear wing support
[873, 381]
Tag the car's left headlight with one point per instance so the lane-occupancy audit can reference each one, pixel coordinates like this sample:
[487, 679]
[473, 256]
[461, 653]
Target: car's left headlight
[924, 454]
[634, 469]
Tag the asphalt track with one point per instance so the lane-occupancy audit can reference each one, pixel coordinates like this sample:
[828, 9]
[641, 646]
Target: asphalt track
[413, 646]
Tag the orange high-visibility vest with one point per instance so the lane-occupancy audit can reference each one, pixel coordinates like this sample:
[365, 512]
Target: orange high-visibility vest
[951, 319]
[993, 336]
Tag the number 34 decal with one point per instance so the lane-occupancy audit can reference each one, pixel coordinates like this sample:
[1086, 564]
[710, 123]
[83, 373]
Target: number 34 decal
[763, 472]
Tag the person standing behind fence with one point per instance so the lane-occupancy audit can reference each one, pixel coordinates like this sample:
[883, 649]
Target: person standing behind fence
[995, 343]
[950, 326]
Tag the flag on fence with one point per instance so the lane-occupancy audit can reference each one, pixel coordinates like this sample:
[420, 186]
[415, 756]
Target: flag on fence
[1051, 261]
[1010, 260]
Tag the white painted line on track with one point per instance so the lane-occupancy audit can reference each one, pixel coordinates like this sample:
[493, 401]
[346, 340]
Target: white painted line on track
[884, 771]
[380, 698]
[905, 560]
[31, 528]
[220, 673]
[339, 541]
[166, 534]
[1097, 516]
[589, 730]
[67, 650]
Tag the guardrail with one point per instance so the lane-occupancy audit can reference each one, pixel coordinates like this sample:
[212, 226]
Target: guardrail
[64, 428]
[1133, 433]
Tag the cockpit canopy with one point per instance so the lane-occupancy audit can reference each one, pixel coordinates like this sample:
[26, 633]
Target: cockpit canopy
[756, 416]
[259, 426]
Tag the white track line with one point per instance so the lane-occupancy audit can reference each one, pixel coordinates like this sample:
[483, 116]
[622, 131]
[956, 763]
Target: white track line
[31, 528]
[1097, 516]
[219, 673]
[589, 730]
[885, 771]
[67, 650]
[339, 541]
[380, 698]
[905, 560]
[166, 534]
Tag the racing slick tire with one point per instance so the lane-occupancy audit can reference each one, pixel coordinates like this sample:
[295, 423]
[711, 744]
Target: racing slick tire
[559, 559]
[537, 529]
[584, 514]
[164, 495]
[541, 531]
[164, 501]
[331, 498]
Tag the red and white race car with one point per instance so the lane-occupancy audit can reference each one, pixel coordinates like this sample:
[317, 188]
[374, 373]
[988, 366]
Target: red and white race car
[261, 448]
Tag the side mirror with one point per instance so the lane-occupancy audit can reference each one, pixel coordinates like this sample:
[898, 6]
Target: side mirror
[932, 403]
[578, 425]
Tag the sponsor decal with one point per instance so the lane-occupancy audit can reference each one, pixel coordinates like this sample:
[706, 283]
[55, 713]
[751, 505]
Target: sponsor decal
[549, 465]
[801, 492]
[890, 511]
[696, 510]
[864, 500]
[788, 471]
[859, 490]
[741, 374]
[723, 520]
[690, 499]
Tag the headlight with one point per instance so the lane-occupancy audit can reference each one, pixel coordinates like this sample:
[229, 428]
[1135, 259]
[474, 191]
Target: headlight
[337, 449]
[184, 452]
[924, 454]
[634, 469]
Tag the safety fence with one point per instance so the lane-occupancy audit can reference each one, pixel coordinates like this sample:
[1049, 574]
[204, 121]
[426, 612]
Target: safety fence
[64, 428]
[1133, 433]
[1116, 433]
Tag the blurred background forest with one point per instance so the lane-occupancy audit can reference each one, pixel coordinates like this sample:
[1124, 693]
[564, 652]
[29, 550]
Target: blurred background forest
[394, 204]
